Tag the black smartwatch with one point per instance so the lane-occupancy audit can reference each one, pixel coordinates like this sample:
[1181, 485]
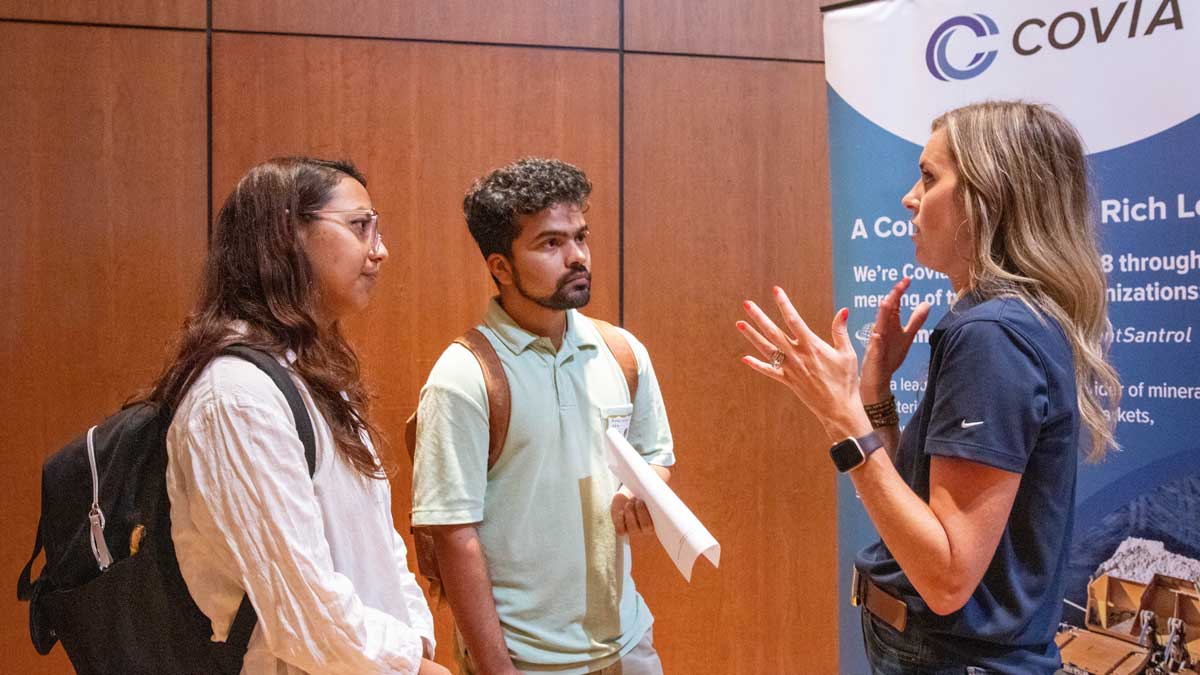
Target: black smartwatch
[853, 452]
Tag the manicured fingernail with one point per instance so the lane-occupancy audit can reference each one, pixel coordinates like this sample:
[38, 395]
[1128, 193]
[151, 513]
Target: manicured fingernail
[845, 313]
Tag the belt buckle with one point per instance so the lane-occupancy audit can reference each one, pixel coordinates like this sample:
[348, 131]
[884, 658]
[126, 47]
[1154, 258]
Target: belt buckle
[856, 588]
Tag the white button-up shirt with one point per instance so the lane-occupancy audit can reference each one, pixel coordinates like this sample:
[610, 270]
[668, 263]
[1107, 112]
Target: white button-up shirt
[319, 557]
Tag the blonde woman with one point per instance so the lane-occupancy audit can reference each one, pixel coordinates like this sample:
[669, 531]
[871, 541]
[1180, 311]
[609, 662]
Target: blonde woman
[974, 501]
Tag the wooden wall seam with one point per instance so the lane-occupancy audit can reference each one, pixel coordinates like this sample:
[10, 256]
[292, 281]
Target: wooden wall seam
[417, 310]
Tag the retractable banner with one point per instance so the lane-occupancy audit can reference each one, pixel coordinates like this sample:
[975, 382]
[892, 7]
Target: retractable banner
[1124, 73]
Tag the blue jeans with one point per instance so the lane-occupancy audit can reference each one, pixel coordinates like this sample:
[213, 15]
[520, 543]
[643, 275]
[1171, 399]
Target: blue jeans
[893, 653]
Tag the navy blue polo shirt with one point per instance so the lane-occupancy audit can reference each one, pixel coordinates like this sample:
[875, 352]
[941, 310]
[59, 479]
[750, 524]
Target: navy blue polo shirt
[1001, 392]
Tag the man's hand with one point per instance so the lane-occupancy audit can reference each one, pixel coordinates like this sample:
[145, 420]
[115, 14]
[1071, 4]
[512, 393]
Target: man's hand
[630, 514]
[469, 592]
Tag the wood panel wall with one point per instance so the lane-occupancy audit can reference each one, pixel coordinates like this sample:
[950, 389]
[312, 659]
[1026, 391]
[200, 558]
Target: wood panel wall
[577, 23]
[710, 186]
[102, 162]
[755, 28]
[162, 13]
[708, 225]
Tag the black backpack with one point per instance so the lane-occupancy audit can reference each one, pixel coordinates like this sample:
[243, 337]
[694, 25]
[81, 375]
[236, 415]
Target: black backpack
[111, 590]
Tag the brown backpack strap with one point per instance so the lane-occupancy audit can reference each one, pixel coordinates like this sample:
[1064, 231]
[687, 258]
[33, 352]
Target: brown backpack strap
[410, 435]
[622, 351]
[496, 384]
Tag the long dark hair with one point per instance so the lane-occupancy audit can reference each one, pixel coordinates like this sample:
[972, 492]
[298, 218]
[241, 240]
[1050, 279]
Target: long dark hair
[257, 272]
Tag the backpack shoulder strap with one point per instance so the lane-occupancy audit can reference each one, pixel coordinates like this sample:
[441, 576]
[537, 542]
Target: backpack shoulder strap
[622, 351]
[24, 585]
[496, 384]
[245, 619]
[499, 397]
[279, 375]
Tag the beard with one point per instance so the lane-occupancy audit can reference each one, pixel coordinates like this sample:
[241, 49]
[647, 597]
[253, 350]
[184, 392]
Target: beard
[563, 297]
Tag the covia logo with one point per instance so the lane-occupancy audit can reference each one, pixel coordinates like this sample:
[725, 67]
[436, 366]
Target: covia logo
[1126, 19]
[935, 52]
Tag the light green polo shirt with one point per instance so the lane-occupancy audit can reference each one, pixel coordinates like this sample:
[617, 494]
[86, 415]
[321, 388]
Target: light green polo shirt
[560, 575]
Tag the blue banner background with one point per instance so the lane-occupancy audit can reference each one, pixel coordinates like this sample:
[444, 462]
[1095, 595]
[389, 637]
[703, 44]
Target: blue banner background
[1151, 489]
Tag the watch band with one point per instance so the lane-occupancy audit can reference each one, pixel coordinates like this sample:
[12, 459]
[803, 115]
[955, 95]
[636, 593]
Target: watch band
[870, 442]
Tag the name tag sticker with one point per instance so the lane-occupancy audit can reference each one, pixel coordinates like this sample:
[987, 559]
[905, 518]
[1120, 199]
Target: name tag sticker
[617, 417]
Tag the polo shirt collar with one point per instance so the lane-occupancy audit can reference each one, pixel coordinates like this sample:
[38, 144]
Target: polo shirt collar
[966, 301]
[581, 333]
[955, 314]
[518, 339]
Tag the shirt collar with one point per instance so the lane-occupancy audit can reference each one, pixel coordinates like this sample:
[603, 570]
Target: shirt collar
[518, 339]
[957, 309]
[966, 300]
[964, 303]
[239, 327]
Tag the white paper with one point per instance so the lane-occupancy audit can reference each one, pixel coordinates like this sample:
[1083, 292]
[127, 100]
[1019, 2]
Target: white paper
[679, 530]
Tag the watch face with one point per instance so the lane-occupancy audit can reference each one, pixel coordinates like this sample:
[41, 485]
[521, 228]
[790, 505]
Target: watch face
[847, 455]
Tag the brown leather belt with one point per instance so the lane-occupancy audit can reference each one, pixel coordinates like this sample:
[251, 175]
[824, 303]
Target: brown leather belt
[883, 605]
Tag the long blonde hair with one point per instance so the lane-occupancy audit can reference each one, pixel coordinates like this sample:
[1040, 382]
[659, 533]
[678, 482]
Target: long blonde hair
[1023, 186]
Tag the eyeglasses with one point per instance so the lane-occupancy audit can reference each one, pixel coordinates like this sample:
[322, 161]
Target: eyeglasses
[366, 227]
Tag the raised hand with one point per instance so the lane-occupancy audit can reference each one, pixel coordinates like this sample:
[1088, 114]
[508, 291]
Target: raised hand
[822, 375]
[889, 343]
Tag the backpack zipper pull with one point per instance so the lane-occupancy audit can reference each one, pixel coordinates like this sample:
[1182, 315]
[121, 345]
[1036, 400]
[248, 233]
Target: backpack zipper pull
[96, 516]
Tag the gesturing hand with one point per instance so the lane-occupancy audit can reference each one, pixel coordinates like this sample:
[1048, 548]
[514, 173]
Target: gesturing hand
[823, 376]
[889, 343]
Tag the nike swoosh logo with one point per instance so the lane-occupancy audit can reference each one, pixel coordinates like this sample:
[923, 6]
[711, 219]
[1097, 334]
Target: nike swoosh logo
[968, 425]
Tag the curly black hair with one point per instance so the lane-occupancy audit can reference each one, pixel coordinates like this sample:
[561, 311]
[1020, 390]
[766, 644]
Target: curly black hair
[524, 187]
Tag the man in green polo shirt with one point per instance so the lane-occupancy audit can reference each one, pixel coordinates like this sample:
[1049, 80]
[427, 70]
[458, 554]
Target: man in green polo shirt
[534, 552]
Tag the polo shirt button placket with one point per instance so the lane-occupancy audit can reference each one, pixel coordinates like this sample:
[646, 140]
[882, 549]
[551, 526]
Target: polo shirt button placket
[562, 383]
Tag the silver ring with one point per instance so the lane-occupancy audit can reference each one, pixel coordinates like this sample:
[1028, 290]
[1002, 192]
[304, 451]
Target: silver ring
[777, 359]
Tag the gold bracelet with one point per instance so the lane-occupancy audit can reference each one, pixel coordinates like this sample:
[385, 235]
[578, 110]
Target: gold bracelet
[883, 413]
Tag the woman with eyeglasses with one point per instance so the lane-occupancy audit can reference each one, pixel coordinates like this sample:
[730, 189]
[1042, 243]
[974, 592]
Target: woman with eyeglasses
[974, 501]
[295, 250]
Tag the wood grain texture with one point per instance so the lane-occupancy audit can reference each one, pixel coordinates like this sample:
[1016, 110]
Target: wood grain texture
[174, 13]
[726, 192]
[723, 201]
[103, 162]
[577, 23]
[782, 29]
[423, 121]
